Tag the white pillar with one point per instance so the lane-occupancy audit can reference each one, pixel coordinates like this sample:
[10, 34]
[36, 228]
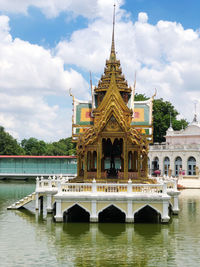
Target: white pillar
[165, 217]
[129, 217]
[164, 188]
[36, 201]
[161, 163]
[37, 183]
[49, 203]
[175, 208]
[94, 217]
[59, 216]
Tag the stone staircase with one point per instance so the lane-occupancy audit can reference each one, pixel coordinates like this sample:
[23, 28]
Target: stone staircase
[19, 204]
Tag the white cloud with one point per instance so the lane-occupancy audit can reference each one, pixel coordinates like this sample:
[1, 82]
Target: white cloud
[142, 17]
[28, 74]
[52, 8]
[165, 56]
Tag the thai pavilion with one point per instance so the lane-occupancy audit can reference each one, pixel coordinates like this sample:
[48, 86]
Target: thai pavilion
[113, 134]
[112, 131]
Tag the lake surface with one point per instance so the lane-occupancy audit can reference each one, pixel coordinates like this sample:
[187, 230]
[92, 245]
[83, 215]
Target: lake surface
[27, 239]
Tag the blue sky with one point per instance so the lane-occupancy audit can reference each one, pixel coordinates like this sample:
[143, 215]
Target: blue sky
[49, 46]
[35, 27]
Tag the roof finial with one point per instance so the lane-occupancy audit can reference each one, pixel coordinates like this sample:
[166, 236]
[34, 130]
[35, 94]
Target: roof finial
[113, 36]
[195, 112]
[92, 91]
[170, 129]
[170, 119]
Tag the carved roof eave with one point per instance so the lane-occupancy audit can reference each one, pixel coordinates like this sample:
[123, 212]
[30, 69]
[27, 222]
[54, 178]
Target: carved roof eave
[91, 135]
[112, 103]
[133, 136]
[113, 92]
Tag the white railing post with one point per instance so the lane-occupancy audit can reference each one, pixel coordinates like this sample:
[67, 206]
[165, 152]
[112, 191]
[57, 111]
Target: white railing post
[94, 186]
[175, 185]
[59, 186]
[49, 181]
[42, 181]
[129, 189]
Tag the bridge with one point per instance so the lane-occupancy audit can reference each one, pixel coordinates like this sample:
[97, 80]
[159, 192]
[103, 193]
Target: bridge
[29, 167]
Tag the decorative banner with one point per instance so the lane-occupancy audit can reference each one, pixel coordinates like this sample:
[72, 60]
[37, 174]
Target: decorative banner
[138, 115]
[86, 114]
[83, 114]
[142, 113]
[143, 131]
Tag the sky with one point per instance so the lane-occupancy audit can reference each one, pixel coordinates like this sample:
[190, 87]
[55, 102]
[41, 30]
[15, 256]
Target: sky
[49, 46]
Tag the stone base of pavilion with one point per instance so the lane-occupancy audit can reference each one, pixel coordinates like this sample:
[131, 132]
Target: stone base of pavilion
[96, 201]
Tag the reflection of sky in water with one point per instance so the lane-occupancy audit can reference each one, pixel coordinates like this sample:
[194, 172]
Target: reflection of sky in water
[29, 239]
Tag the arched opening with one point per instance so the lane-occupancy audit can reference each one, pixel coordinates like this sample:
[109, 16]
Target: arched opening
[130, 161]
[166, 166]
[147, 215]
[112, 215]
[112, 161]
[191, 166]
[76, 214]
[155, 165]
[89, 161]
[54, 208]
[41, 201]
[94, 161]
[178, 166]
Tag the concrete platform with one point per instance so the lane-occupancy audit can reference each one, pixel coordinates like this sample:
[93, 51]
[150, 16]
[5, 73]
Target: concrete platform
[189, 183]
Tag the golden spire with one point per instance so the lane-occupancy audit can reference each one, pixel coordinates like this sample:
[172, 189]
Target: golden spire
[112, 52]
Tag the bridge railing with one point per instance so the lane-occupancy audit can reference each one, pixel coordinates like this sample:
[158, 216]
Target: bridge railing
[50, 182]
[61, 184]
[112, 188]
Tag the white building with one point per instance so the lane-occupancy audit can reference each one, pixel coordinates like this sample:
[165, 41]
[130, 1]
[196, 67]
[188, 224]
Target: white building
[180, 154]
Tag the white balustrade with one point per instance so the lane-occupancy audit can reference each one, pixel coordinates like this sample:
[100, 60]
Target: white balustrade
[62, 185]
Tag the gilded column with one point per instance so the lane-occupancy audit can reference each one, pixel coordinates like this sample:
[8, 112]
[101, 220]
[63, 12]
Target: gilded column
[99, 154]
[125, 159]
[85, 165]
[139, 164]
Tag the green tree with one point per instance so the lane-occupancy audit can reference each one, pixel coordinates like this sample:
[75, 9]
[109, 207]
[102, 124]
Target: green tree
[32, 146]
[9, 145]
[140, 97]
[62, 147]
[161, 117]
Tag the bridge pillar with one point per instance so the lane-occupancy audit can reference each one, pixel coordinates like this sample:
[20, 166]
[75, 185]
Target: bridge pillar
[175, 208]
[49, 203]
[36, 201]
[165, 217]
[59, 216]
[93, 216]
[129, 217]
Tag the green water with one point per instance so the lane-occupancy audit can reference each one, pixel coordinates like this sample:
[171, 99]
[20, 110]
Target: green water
[35, 240]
